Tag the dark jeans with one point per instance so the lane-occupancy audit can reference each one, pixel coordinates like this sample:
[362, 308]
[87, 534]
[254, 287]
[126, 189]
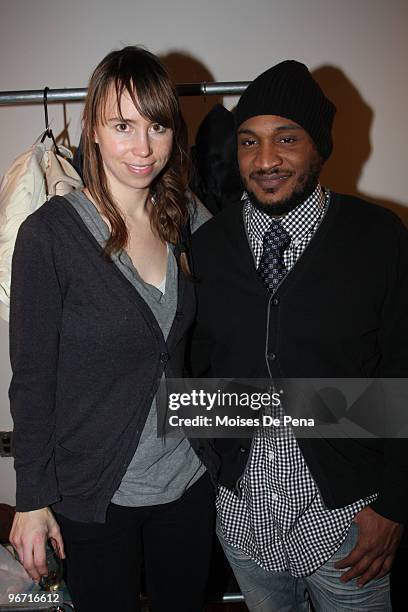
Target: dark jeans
[174, 540]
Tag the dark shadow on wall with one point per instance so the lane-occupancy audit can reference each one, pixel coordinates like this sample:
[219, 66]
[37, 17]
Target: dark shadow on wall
[351, 135]
[184, 68]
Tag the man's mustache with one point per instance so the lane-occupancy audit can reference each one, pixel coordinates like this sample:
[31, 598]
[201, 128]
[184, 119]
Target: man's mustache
[261, 173]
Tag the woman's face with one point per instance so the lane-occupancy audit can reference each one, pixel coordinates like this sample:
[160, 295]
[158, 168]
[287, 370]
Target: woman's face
[134, 150]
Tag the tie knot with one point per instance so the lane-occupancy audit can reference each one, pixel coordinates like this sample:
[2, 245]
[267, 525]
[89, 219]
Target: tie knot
[276, 237]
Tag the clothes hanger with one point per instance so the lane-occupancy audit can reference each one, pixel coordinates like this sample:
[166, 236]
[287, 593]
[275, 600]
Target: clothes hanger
[48, 131]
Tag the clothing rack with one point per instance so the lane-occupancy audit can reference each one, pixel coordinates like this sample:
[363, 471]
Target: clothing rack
[35, 96]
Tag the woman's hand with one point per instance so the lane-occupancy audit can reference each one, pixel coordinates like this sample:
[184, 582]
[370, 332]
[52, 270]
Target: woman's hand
[29, 534]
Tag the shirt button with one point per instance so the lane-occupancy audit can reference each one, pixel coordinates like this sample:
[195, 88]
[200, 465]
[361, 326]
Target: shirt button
[271, 455]
[274, 497]
[275, 301]
[272, 356]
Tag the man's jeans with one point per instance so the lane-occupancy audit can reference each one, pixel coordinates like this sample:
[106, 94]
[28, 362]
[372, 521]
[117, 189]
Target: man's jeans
[280, 592]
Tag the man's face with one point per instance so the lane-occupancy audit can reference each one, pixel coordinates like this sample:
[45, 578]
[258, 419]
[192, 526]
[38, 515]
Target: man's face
[278, 162]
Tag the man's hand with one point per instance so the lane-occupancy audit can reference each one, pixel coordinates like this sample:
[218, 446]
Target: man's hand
[29, 534]
[372, 556]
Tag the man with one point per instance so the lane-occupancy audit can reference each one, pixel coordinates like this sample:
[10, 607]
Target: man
[296, 281]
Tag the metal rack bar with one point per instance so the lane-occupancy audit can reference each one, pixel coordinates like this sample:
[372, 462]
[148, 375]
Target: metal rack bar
[36, 96]
[232, 598]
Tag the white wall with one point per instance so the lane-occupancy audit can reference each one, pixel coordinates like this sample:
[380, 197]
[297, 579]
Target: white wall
[57, 43]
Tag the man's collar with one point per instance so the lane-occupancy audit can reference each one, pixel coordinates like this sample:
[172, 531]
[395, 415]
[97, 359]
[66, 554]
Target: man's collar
[297, 222]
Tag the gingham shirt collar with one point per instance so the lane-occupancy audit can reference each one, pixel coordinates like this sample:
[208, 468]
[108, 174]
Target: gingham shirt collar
[298, 222]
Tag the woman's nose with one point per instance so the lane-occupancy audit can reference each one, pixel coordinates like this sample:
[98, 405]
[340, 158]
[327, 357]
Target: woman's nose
[141, 145]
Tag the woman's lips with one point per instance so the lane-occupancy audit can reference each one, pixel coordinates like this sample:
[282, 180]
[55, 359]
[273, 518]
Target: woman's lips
[140, 170]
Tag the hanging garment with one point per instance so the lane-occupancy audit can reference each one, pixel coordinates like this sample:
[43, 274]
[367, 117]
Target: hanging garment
[33, 178]
[215, 177]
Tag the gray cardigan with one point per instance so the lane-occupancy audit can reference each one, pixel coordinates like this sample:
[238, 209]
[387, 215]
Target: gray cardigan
[82, 342]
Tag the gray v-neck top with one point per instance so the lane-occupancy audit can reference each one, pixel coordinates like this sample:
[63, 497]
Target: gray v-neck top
[161, 468]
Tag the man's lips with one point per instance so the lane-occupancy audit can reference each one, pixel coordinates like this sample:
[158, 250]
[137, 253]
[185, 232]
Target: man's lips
[268, 181]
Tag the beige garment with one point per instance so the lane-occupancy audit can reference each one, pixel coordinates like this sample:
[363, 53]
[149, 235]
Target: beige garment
[32, 179]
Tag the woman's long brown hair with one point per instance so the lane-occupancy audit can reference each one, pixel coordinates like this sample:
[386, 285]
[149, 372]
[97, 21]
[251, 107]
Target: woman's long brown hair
[139, 73]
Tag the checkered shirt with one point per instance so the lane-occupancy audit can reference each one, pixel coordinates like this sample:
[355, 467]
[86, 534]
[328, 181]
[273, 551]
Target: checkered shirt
[279, 519]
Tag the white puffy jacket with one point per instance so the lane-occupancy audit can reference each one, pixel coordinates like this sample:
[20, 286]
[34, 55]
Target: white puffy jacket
[33, 178]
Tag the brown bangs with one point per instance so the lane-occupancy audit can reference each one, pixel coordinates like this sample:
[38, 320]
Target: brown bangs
[152, 94]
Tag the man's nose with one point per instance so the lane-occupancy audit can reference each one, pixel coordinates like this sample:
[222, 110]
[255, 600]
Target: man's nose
[268, 156]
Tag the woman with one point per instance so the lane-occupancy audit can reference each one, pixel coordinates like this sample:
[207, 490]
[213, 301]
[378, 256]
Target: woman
[101, 306]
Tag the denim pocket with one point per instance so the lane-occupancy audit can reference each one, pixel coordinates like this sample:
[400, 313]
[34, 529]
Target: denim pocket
[348, 544]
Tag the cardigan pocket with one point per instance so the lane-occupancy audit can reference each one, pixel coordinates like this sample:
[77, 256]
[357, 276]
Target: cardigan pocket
[78, 472]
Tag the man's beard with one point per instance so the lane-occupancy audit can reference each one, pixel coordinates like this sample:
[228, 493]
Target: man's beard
[305, 186]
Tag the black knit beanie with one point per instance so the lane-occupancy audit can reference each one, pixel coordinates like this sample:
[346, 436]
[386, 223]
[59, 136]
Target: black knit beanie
[289, 90]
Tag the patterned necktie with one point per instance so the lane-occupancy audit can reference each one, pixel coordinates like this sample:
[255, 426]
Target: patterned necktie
[272, 268]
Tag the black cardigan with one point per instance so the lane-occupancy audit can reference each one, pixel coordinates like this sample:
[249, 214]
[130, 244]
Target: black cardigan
[341, 312]
[87, 354]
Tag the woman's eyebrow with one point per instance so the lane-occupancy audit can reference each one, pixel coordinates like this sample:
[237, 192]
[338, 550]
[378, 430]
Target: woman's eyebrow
[120, 119]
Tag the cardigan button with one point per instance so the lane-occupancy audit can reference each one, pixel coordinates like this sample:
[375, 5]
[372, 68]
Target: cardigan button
[243, 449]
[272, 356]
[275, 301]
[164, 357]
